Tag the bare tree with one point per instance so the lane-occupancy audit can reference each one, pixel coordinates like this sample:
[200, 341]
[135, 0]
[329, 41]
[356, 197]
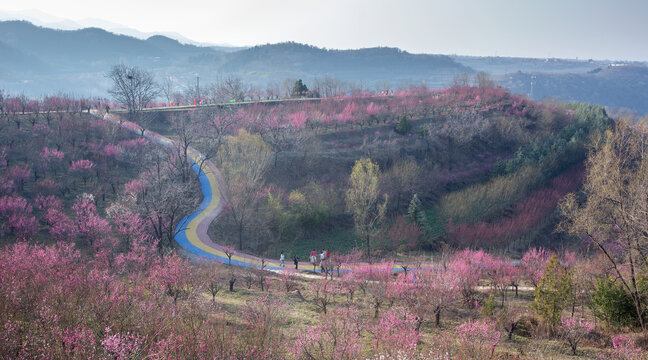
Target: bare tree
[187, 135]
[214, 124]
[484, 79]
[401, 181]
[22, 102]
[132, 87]
[191, 93]
[226, 89]
[614, 215]
[273, 90]
[287, 87]
[232, 88]
[168, 88]
[2, 100]
[329, 86]
[462, 79]
[253, 93]
[167, 199]
[382, 86]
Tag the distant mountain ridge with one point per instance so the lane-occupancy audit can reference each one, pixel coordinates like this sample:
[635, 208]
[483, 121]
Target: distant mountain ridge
[87, 48]
[366, 64]
[615, 85]
[40, 18]
[37, 60]
[59, 55]
[312, 57]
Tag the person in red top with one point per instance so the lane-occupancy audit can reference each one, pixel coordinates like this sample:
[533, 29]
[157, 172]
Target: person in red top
[327, 254]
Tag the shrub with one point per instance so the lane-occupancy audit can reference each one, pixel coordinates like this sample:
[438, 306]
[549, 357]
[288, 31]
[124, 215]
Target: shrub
[395, 332]
[401, 235]
[573, 331]
[488, 308]
[263, 317]
[404, 126]
[612, 303]
[625, 348]
[477, 340]
[335, 337]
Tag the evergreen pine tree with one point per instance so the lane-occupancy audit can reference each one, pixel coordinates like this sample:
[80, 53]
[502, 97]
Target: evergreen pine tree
[404, 126]
[554, 292]
[299, 89]
[415, 213]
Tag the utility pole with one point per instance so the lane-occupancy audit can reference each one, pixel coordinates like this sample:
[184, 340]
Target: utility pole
[198, 87]
[533, 77]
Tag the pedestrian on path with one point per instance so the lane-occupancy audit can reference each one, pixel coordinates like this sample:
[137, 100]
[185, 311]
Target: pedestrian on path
[296, 261]
[282, 260]
[313, 257]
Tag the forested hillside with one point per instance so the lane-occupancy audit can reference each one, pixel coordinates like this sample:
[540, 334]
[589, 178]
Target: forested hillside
[483, 168]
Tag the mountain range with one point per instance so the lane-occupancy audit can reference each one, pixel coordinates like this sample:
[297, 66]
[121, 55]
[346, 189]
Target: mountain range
[38, 60]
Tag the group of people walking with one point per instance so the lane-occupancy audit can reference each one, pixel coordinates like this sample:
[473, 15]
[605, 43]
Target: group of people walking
[323, 256]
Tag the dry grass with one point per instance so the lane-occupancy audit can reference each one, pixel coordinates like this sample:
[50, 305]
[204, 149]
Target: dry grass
[481, 201]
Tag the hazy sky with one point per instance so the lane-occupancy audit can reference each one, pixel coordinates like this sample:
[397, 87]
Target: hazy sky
[532, 28]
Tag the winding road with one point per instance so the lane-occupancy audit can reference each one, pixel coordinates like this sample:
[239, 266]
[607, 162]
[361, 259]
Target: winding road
[192, 230]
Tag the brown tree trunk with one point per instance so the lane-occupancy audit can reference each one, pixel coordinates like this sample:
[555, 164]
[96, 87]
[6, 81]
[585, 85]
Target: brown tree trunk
[240, 236]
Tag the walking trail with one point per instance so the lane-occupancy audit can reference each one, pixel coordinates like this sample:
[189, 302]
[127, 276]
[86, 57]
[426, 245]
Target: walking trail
[192, 230]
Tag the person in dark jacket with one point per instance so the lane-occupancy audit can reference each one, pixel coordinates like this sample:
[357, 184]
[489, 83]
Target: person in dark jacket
[296, 261]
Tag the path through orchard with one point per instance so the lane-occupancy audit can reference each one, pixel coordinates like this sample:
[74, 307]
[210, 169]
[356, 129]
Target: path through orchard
[192, 232]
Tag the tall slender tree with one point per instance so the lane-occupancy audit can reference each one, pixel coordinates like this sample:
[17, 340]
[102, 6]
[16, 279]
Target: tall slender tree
[362, 200]
[244, 159]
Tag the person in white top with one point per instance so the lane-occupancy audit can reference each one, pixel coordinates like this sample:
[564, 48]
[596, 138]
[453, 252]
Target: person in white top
[322, 258]
[282, 260]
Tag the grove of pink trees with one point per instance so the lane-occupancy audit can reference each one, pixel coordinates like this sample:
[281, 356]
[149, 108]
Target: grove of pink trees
[105, 291]
[17, 217]
[125, 298]
[39, 166]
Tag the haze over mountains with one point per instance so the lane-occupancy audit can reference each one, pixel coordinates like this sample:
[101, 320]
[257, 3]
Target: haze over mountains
[37, 60]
